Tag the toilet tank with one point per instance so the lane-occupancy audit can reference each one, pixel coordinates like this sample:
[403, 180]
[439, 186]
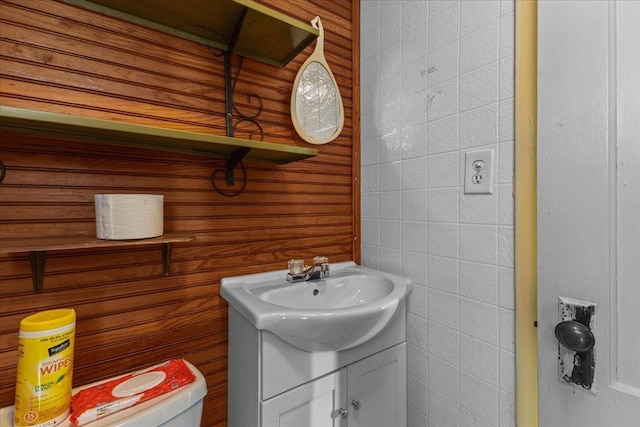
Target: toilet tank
[179, 408]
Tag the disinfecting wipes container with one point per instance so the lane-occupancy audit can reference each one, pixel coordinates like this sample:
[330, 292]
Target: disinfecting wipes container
[129, 216]
[45, 368]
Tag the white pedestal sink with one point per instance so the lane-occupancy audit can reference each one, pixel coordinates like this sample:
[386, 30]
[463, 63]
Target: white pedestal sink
[326, 352]
[332, 314]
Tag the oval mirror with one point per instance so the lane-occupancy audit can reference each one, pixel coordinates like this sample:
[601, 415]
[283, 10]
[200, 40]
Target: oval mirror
[316, 105]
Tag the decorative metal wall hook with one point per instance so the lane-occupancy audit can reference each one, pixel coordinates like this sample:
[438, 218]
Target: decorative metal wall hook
[3, 171]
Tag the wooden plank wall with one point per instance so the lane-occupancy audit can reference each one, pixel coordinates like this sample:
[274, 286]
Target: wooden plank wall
[59, 58]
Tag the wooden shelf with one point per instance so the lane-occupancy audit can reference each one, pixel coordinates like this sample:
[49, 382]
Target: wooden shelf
[264, 34]
[241, 27]
[111, 132]
[38, 247]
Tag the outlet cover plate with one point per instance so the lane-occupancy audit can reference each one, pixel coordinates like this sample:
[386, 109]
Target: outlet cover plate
[478, 171]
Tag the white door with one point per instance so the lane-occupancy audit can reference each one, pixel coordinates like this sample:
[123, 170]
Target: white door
[376, 389]
[315, 404]
[589, 207]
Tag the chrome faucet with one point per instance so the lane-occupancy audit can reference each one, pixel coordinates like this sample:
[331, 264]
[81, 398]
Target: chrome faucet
[298, 272]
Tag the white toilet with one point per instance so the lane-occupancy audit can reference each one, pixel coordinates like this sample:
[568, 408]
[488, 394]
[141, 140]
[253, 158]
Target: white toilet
[179, 408]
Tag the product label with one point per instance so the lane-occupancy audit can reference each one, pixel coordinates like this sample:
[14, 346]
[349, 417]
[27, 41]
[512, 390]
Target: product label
[43, 389]
[60, 347]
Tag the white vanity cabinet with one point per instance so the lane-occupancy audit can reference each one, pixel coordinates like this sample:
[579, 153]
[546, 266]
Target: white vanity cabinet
[273, 384]
[368, 393]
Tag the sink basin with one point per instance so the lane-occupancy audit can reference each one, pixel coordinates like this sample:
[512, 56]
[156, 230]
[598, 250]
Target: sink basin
[344, 290]
[331, 314]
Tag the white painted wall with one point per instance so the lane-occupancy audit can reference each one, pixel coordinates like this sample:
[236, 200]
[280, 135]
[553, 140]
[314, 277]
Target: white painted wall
[437, 80]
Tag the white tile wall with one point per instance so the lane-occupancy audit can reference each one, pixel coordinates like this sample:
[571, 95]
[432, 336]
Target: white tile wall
[443, 135]
[442, 28]
[479, 358]
[438, 80]
[479, 127]
[443, 378]
[479, 399]
[480, 47]
[479, 87]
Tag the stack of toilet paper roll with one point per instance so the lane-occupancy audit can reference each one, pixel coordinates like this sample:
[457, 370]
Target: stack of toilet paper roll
[129, 216]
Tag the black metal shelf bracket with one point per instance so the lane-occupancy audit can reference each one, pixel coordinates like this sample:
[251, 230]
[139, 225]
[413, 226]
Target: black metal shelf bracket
[236, 156]
[228, 84]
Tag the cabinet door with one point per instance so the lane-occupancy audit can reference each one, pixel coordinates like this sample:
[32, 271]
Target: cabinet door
[315, 404]
[377, 389]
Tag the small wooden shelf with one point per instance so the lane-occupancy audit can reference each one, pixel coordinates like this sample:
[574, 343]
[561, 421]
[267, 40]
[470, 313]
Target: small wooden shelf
[38, 247]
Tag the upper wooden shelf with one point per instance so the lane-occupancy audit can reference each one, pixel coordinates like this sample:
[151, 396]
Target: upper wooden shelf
[264, 35]
[140, 136]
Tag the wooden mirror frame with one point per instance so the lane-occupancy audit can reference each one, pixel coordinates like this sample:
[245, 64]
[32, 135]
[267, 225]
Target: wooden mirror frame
[317, 56]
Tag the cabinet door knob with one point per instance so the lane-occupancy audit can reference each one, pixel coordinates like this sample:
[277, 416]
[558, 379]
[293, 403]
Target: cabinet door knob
[344, 413]
[355, 404]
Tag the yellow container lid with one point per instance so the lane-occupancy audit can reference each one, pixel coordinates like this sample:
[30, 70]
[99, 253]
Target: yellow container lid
[49, 319]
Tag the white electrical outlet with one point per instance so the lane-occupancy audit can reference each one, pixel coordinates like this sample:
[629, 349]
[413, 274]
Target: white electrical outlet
[478, 171]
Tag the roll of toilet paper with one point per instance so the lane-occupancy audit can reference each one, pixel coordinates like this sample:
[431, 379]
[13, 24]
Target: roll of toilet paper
[129, 216]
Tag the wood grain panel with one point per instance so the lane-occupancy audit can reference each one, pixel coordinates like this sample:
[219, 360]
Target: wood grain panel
[64, 59]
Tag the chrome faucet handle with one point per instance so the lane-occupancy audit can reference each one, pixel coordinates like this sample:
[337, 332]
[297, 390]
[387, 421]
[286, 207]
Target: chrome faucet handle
[296, 266]
[297, 271]
[320, 260]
